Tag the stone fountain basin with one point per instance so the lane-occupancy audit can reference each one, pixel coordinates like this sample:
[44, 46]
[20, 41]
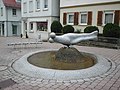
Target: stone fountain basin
[22, 66]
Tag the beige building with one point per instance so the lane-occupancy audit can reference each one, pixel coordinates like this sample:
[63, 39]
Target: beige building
[82, 13]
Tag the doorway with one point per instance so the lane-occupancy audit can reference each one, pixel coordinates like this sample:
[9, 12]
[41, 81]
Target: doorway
[2, 30]
[14, 30]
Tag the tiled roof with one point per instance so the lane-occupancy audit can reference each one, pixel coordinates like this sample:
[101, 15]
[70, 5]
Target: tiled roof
[11, 3]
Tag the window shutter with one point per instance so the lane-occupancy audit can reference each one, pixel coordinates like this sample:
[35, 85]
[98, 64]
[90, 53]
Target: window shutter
[117, 17]
[64, 18]
[99, 18]
[89, 18]
[76, 14]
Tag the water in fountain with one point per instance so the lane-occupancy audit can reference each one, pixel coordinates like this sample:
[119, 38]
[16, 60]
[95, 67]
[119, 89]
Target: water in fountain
[63, 59]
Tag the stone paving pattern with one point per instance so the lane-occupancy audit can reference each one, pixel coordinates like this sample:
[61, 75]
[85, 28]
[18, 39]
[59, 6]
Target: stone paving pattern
[107, 81]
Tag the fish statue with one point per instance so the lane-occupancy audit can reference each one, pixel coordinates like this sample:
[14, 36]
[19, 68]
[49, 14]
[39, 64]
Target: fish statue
[72, 38]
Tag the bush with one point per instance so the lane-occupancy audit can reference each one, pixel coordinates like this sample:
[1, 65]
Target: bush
[56, 27]
[68, 29]
[90, 29]
[111, 30]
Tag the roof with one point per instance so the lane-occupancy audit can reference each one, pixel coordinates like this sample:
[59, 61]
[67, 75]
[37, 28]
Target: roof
[12, 3]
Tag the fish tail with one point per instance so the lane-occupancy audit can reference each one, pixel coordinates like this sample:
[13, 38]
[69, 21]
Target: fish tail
[95, 33]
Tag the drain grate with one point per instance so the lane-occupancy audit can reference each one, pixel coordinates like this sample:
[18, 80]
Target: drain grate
[7, 83]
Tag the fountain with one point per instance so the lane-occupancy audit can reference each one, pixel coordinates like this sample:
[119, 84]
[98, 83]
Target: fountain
[67, 63]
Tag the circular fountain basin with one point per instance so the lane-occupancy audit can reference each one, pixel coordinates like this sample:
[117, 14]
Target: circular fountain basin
[48, 60]
[23, 66]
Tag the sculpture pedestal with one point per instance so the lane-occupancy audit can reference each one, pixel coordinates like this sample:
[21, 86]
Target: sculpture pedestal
[69, 55]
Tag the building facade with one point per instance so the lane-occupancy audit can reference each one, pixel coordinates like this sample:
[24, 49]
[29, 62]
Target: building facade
[83, 13]
[10, 17]
[37, 16]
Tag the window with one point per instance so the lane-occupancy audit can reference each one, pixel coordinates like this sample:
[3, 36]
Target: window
[108, 17]
[31, 26]
[45, 3]
[25, 7]
[1, 11]
[42, 26]
[83, 18]
[30, 6]
[70, 18]
[37, 4]
[14, 12]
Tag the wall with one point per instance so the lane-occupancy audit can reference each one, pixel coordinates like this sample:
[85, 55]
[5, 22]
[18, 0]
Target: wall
[16, 17]
[2, 18]
[94, 9]
[55, 4]
[64, 3]
[53, 9]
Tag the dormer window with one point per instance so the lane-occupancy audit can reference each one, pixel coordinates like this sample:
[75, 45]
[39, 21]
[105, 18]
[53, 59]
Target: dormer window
[14, 12]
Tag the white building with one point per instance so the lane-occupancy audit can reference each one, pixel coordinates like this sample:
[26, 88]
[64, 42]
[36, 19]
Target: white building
[82, 13]
[10, 17]
[37, 16]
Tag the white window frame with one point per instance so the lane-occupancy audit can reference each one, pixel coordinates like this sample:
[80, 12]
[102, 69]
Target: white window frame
[68, 16]
[1, 9]
[14, 13]
[108, 12]
[31, 26]
[25, 7]
[80, 15]
[38, 5]
[45, 8]
[30, 6]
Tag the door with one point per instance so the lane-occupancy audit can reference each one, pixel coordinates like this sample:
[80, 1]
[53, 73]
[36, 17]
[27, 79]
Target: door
[14, 30]
[2, 30]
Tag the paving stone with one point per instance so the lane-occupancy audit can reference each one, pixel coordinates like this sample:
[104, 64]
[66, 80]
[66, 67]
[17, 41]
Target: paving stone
[43, 88]
[58, 89]
[84, 86]
[67, 84]
[116, 85]
[87, 89]
[72, 88]
[106, 87]
[7, 83]
[41, 85]
[62, 87]
[49, 85]
[56, 86]
[73, 81]
[114, 88]
[99, 87]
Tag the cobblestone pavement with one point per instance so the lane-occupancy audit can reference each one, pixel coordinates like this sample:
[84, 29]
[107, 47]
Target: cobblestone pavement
[107, 81]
